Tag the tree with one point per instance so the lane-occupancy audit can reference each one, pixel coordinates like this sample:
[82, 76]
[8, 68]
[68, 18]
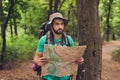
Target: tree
[108, 29]
[56, 4]
[109, 19]
[1, 16]
[89, 34]
[4, 32]
[50, 7]
[1, 24]
[53, 8]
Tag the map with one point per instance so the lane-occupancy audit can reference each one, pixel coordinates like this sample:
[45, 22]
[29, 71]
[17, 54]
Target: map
[62, 60]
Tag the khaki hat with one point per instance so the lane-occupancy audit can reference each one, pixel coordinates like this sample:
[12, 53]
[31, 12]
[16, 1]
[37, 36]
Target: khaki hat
[57, 15]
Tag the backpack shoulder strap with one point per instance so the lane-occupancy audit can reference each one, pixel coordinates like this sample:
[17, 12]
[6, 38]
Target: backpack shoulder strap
[48, 37]
[66, 39]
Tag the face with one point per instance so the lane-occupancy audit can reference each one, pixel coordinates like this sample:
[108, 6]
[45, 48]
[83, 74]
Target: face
[58, 26]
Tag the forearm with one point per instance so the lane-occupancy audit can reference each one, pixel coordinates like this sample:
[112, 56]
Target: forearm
[36, 57]
[39, 59]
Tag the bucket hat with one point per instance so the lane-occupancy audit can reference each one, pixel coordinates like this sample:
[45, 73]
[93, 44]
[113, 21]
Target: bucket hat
[57, 15]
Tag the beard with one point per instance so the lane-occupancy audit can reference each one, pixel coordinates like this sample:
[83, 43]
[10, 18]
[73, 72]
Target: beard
[58, 31]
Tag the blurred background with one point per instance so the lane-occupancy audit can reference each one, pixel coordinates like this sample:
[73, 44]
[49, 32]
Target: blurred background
[21, 20]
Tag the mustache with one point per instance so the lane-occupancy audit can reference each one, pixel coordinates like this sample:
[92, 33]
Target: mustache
[60, 29]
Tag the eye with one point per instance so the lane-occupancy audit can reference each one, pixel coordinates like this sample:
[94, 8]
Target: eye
[62, 23]
[56, 23]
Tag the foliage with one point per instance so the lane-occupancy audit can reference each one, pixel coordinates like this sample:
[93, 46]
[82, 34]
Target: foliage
[21, 48]
[114, 17]
[116, 55]
[30, 14]
[33, 14]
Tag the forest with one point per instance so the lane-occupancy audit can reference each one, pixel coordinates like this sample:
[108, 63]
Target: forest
[91, 23]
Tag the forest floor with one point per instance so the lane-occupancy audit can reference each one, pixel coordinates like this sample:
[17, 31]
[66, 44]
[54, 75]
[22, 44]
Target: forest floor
[110, 68]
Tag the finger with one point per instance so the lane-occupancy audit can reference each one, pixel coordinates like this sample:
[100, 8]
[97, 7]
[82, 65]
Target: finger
[81, 59]
[42, 63]
[44, 58]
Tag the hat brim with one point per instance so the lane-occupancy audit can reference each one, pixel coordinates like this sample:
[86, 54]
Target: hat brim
[65, 20]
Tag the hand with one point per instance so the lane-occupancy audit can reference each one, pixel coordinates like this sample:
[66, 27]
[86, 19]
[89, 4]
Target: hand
[41, 61]
[80, 60]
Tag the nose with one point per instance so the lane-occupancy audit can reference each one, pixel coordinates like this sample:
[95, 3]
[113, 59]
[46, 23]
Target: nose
[60, 26]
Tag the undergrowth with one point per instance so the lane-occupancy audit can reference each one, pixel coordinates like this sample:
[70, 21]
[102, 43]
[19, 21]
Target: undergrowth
[19, 48]
[116, 55]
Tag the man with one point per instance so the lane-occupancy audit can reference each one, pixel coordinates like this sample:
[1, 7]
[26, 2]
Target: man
[56, 37]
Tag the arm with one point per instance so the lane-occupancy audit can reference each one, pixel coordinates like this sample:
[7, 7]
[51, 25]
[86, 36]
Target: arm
[39, 59]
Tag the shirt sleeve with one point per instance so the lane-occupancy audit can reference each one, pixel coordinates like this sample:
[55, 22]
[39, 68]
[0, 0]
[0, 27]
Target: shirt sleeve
[41, 43]
[70, 41]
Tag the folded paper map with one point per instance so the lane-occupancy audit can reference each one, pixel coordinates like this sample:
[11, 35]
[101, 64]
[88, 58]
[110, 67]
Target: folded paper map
[62, 60]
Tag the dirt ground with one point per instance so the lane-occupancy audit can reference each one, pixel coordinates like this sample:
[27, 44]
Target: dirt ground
[110, 68]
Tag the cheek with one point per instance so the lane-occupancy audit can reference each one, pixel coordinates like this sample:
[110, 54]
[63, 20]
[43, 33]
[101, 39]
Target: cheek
[63, 27]
[55, 27]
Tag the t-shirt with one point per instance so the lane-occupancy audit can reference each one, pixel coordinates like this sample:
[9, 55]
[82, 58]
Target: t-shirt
[40, 48]
[42, 41]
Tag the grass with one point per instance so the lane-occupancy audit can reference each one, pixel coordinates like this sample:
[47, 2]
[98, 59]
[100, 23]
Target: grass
[116, 55]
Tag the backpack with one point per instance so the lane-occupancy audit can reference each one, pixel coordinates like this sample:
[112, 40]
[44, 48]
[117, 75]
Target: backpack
[44, 28]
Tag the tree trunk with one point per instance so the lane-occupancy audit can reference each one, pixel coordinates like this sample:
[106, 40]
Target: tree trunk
[113, 36]
[1, 26]
[50, 7]
[61, 5]
[15, 26]
[89, 34]
[11, 30]
[4, 32]
[25, 26]
[56, 4]
[1, 12]
[107, 20]
[1, 16]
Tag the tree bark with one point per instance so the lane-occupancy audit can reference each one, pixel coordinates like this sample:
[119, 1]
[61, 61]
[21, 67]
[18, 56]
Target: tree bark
[50, 7]
[11, 30]
[56, 4]
[15, 26]
[62, 2]
[107, 20]
[89, 34]
[1, 25]
[4, 31]
[1, 16]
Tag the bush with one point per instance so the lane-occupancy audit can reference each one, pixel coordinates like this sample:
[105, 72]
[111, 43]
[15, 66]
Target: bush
[21, 48]
[116, 55]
